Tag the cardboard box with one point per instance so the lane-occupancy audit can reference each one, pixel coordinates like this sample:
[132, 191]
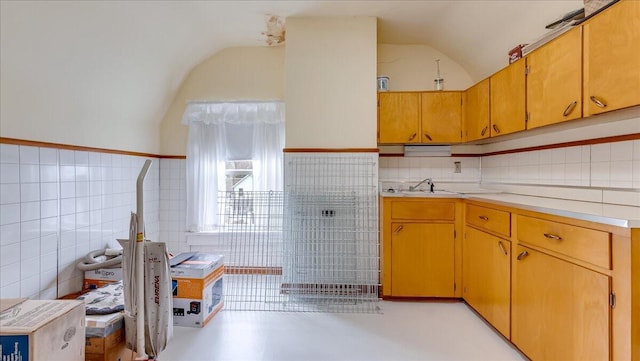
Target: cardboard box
[101, 277]
[197, 289]
[32, 330]
[516, 53]
[109, 348]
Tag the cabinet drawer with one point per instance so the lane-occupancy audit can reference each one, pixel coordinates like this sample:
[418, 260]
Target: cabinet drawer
[490, 219]
[443, 211]
[585, 244]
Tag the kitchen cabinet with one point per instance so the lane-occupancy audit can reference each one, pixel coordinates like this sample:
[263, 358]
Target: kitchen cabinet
[476, 123]
[419, 117]
[398, 117]
[420, 247]
[486, 277]
[441, 117]
[554, 81]
[560, 310]
[561, 291]
[508, 99]
[611, 58]
[422, 256]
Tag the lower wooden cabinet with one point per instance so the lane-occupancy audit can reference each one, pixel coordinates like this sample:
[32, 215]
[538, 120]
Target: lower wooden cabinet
[420, 248]
[422, 260]
[560, 311]
[486, 275]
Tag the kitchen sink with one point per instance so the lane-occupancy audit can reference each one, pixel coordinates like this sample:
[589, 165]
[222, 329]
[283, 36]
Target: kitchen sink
[418, 193]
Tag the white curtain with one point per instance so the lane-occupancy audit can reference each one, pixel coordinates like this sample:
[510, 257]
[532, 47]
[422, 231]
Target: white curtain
[230, 131]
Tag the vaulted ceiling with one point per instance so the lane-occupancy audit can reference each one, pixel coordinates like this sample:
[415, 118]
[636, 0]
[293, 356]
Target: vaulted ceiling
[126, 59]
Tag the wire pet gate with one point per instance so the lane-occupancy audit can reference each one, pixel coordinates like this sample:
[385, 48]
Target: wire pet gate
[295, 252]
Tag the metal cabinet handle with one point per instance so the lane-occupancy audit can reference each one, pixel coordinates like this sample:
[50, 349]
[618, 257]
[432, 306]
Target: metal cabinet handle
[502, 248]
[413, 136]
[553, 236]
[495, 127]
[428, 137]
[398, 229]
[522, 255]
[484, 218]
[484, 130]
[598, 102]
[570, 108]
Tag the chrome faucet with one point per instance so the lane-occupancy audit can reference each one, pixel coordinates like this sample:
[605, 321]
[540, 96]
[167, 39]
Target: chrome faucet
[427, 180]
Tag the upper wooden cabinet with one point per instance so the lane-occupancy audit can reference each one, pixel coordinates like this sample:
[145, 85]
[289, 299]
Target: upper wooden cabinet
[398, 117]
[419, 117]
[475, 112]
[508, 99]
[441, 117]
[554, 81]
[612, 58]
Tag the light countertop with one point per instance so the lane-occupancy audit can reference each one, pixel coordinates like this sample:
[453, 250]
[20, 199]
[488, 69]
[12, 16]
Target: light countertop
[605, 213]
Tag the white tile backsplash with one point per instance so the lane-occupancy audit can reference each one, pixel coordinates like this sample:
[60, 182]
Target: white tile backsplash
[622, 151]
[29, 155]
[48, 173]
[30, 230]
[54, 199]
[9, 153]
[9, 173]
[440, 169]
[9, 234]
[29, 211]
[9, 193]
[608, 165]
[29, 192]
[29, 173]
[48, 156]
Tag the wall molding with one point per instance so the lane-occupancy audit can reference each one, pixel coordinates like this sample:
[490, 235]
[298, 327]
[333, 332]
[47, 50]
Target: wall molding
[34, 143]
[330, 150]
[611, 139]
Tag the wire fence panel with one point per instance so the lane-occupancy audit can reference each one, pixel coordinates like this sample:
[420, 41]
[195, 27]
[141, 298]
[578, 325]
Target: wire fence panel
[313, 247]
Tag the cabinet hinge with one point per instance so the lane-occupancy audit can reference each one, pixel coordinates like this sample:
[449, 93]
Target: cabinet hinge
[527, 70]
[612, 299]
[454, 233]
[454, 286]
[526, 117]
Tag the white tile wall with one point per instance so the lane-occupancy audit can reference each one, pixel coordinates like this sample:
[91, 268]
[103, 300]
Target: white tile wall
[608, 165]
[173, 204]
[56, 205]
[440, 169]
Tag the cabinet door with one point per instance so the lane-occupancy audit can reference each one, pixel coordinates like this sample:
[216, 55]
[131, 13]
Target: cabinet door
[441, 117]
[475, 112]
[486, 277]
[422, 260]
[508, 99]
[560, 310]
[612, 58]
[398, 118]
[554, 81]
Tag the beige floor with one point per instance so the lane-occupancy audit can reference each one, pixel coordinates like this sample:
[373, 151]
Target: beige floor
[404, 331]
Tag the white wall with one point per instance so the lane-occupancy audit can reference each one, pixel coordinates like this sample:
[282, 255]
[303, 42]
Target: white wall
[243, 73]
[413, 67]
[330, 82]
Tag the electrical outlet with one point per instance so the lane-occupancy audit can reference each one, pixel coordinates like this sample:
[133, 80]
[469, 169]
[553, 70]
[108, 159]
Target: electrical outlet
[458, 167]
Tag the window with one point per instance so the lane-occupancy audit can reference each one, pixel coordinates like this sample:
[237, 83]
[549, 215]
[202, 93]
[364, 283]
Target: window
[231, 146]
[238, 175]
